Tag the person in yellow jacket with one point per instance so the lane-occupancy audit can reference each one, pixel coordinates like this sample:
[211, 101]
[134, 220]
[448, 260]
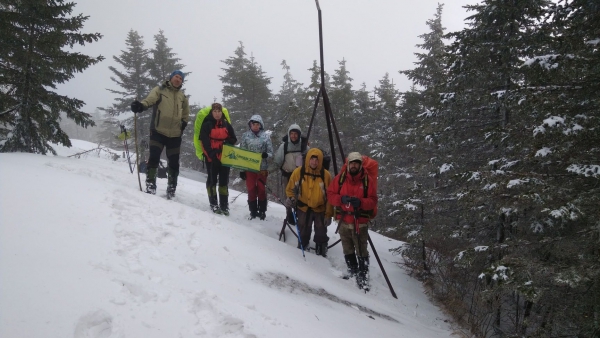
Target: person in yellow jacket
[170, 115]
[306, 193]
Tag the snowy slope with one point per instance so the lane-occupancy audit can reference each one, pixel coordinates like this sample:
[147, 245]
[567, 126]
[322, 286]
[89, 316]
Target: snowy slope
[83, 253]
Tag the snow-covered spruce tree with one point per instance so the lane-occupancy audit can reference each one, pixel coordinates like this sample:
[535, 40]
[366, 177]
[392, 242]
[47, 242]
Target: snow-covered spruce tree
[245, 88]
[162, 61]
[289, 106]
[414, 201]
[376, 140]
[36, 37]
[344, 107]
[502, 194]
[559, 191]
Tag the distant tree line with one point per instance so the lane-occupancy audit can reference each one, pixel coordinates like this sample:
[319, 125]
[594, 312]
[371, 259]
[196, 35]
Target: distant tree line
[489, 163]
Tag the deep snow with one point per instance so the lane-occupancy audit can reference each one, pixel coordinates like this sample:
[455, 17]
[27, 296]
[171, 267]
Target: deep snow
[83, 253]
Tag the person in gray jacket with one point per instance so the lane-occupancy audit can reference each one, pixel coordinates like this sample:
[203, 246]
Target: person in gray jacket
[256, 140]
[289, 157]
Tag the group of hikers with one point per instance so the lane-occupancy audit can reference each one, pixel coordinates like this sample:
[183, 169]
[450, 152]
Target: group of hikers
[313, 197]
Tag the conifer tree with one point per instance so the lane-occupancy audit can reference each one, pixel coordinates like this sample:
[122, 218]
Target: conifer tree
[245, 86]
[36, 36]
[162, 61]
[290, 106]
[134, 83]
[413, 141]
[343, 105]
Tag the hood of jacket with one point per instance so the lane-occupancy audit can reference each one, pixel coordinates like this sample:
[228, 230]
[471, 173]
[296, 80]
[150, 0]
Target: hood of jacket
[310, 153]
[257, 118]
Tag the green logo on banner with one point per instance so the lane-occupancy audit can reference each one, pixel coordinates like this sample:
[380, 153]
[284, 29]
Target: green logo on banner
[241, 158]
[231, 155]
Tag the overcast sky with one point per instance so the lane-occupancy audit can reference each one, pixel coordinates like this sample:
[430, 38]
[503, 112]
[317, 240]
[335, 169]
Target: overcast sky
[374, 37]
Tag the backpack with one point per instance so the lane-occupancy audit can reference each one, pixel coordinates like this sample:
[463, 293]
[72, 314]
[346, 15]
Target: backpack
[200, 116]
[303, 146]
[372, 169]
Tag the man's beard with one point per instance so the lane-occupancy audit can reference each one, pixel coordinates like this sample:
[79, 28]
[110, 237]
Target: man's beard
[353, 171]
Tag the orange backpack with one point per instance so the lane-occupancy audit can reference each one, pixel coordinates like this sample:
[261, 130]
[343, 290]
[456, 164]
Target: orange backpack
[371, 167]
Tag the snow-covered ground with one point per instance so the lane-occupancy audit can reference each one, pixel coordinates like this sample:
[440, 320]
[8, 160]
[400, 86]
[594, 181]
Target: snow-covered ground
[83, 253]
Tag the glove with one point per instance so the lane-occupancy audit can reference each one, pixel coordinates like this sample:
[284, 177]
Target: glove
[355, 202]
[327, 221]
[137, 107]
[265, 155]
[243, 175]
[289, 202]
[346, 199]
[183, 125]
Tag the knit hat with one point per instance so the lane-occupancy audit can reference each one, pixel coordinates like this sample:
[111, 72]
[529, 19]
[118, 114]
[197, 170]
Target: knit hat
[216, 106]
[177, 72]
[355, 157]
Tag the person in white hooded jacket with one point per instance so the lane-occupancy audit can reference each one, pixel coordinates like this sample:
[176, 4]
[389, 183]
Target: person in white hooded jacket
[289, 157]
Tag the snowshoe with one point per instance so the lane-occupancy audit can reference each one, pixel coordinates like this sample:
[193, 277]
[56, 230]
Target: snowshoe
[362, 278]
[151, 188]
[170, 192]
[352, 264]
[216, 209]
[225, 212]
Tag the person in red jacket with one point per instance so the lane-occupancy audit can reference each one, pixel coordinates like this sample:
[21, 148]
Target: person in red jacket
[214, 132]
[354, 209]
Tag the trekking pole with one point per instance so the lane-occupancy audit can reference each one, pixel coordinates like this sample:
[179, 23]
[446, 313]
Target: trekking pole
[381, 267]
[282, 232]
[126, 146]
[376, 255]
[236, 197]
[137, 153]
[298, 229]
[357, 231]
[271, 192]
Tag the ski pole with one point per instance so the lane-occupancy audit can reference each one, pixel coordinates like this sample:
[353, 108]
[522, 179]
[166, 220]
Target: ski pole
[298, 229]
[124, 132]
[137, 153]
[381, 267]
[271, 192]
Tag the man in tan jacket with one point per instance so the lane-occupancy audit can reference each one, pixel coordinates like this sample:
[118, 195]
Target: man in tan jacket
[170, 115]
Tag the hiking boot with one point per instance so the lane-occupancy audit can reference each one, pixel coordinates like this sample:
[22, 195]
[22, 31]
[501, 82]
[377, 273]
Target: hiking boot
[171, 191]
[215, 208]
[150, 188]
[151, 181]
[321, 249]
[362, 278]
[253, 206]
[352, 264]
[306, 248]
[224, 204]
[262, 209]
